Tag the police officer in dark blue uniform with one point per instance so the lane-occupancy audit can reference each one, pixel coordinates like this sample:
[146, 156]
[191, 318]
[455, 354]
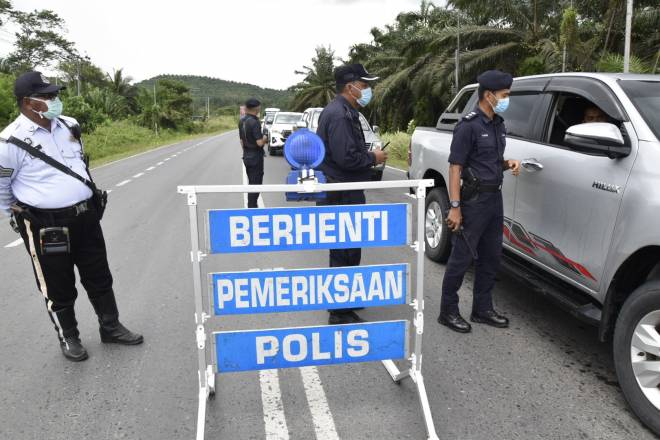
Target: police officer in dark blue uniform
[347, 158]
[252, 141]
[476, 215]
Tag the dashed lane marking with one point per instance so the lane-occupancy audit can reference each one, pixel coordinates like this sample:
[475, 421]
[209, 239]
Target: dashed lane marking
[138, 175]
[14, 243]
[150, 168]
[271, 398]
[123, 183]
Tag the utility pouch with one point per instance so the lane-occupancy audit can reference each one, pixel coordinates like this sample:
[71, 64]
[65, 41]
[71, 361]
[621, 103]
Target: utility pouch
[54, 241]
[470, 186]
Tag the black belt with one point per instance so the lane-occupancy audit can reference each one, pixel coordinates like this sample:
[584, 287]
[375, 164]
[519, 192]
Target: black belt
[60, 213]
[490, 187]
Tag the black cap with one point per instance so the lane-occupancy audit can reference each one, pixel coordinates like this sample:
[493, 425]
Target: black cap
[352, 72]
[32, 83]
[252, 103]
[495, 80]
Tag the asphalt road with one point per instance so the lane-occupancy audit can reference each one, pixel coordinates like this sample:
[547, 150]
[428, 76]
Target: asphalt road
[546, 377]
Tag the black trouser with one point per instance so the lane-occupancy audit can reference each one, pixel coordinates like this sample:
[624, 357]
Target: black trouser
[483, 221]
[254, 168]
[344, 257]
[55, 273]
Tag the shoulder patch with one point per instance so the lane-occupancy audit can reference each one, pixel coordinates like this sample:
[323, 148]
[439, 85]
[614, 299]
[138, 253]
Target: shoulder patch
[6, 172]
[470, 116]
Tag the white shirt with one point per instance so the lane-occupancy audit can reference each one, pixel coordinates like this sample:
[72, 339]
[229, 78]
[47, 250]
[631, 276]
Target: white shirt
[31, 180]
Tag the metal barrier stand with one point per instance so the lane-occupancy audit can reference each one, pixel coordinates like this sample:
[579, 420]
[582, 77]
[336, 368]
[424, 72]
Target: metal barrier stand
[206, 372]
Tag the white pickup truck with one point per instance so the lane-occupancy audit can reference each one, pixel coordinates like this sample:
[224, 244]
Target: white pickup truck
[581, 220]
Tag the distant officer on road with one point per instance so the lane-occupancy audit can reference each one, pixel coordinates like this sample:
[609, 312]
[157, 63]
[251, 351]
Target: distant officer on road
[55, 213]
[476, 215]
[252, 141]
[347, 158]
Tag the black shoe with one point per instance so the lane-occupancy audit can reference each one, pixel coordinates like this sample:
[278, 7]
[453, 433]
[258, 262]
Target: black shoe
[491, 317]
[118, 334]
[73, 349]
[455, 322]
[344, 318]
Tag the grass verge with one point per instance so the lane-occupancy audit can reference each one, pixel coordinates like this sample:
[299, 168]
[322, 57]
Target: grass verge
[398, 149]
[119, 139]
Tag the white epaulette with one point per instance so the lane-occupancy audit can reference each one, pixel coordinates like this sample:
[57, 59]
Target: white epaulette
[470, 116]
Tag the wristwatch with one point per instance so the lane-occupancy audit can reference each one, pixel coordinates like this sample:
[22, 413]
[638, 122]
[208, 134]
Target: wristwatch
[455, 203]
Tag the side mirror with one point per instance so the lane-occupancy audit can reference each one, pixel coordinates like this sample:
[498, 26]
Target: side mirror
[376, 129]
[598, 138]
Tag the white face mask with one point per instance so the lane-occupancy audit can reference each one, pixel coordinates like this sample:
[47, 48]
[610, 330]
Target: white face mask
[55, 107]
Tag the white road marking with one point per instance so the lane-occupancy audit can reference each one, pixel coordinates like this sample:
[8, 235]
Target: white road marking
[271, 398]
[14, 243]
[150, 168]
[138, 175]
[123, 183]
[395, 169]
[166, 159]
[109, 191]
[324, 424]
[159, 164]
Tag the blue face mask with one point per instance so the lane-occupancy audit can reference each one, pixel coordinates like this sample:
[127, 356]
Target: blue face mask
[502, 105]
[365, 97]
[55, 108]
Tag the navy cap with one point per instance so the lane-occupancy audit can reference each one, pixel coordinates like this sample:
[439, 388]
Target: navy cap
[352, 72]
[252, 103]
[495, 80]
[32, 83]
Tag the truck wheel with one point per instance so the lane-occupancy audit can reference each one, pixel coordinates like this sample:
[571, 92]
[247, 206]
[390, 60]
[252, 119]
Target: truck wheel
[436, 231]
[637, 353]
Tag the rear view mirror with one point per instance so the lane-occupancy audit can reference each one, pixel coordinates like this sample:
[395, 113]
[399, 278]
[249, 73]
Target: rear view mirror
[597, 137]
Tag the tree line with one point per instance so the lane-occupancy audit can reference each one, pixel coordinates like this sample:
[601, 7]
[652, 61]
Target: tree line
[416, 55]
[92, 96]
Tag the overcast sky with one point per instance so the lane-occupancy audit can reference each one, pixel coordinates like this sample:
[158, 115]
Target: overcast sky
[255, 41]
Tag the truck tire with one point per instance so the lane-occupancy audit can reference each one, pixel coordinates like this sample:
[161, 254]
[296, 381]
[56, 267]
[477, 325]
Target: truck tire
[436, 232]
[637, 353]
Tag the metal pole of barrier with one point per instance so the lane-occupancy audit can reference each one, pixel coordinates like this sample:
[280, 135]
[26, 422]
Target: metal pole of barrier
[416, 374]
[200, 316]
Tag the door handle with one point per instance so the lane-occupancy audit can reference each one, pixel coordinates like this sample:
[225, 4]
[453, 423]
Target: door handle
[532, 165]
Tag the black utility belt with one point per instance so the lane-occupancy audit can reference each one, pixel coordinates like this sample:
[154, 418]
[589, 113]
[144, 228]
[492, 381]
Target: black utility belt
[79, 208]
[489, 187]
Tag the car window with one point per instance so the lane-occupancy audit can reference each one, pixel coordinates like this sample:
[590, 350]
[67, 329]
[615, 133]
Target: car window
[315, 119]
[460, 105]
[290, 118]
[645, 96]
[518, 117]
[364, 123]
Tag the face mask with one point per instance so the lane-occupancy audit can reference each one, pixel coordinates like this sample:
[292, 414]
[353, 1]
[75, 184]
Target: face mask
[55, 107]
[365, 97]
[502, 105]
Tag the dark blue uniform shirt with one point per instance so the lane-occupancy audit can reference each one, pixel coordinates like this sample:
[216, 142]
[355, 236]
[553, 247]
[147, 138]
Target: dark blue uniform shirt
[249, 129]
[479, 143]
[347, 158]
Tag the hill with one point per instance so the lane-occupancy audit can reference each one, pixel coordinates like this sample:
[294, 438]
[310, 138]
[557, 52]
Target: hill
[224, 93]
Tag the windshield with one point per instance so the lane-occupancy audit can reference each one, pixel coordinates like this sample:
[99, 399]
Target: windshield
[364, 123]
[645, 96]
[315, 120]
[269, 119]
[291, 118]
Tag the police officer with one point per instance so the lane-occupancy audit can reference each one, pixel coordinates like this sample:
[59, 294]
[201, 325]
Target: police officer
[477, 156]
[252, 141]
[347, 158]
[55, 216]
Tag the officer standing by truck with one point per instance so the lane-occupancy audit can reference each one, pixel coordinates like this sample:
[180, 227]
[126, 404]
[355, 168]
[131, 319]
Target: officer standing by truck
[56, 213]
[347, 158]
[476, 214]
[252, 141]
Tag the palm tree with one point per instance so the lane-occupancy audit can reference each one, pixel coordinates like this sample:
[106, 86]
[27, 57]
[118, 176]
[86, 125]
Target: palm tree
[318, 87]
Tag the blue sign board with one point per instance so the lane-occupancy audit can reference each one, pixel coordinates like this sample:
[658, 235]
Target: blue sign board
[307, 227]
[304, 346]
[272, 291]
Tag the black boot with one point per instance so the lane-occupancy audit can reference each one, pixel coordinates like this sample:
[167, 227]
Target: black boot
[490, 317]
[455, 322]
[111, 330]
[73, 349]
[67, 332]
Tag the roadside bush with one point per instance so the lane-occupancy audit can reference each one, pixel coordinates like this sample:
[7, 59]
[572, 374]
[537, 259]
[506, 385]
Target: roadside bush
[8, 108]
[398, 148]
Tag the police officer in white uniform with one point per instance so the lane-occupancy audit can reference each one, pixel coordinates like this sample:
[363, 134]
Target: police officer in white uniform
[55, 214]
